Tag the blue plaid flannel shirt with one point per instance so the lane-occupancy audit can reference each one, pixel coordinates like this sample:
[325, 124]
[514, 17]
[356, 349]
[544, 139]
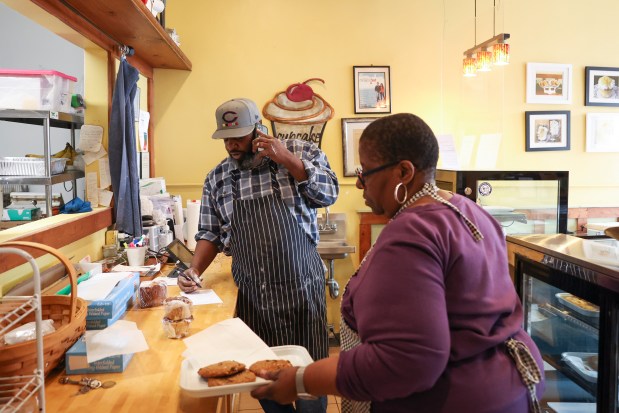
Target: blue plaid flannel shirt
[302, 198]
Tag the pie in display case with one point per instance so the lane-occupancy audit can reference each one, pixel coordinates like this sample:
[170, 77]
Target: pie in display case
[570, 300]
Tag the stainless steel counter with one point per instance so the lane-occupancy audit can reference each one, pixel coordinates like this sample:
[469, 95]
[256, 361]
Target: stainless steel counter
[594, 260]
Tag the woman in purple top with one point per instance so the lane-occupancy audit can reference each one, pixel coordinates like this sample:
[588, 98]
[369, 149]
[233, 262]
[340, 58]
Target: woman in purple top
[431, 321]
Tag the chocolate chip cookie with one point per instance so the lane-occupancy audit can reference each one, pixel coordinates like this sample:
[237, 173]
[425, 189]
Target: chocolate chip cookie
[221, 369]
[269, 365]
[244, 376]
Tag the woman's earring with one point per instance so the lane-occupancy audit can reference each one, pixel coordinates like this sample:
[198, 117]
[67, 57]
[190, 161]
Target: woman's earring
[395, 193]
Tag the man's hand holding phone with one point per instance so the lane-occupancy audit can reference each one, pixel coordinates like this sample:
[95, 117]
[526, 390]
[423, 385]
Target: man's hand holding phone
[265, 145]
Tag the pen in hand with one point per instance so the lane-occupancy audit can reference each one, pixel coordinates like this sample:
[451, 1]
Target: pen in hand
[192, 275]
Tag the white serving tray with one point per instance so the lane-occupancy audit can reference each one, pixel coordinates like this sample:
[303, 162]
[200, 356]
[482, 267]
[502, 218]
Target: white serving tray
[194, 385]
[583, 371]
[561, 407]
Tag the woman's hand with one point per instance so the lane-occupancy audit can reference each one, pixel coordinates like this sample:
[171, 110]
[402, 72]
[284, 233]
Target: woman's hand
[283, 389]
[189, 281]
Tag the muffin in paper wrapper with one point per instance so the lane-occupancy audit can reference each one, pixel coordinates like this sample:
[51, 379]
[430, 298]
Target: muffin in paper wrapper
[176, 328]
[177, 308]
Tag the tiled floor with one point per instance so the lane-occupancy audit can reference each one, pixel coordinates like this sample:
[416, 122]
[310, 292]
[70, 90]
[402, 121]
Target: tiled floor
[246, 404]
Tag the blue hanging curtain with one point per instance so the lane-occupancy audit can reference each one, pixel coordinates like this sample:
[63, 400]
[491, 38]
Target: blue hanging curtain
[123, 153]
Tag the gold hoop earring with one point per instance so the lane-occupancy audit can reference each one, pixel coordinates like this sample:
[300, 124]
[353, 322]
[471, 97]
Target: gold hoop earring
[395, 193]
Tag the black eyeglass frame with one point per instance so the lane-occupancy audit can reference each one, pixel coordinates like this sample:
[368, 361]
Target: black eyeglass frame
[361, 175]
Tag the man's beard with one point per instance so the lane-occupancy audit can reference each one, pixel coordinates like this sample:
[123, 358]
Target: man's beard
[248, 161]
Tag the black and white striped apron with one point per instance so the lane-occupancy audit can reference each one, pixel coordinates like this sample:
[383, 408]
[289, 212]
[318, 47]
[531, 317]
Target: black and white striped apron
[279, 274]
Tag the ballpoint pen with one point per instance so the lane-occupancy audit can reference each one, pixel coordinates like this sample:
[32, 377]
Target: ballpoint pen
[192, 277]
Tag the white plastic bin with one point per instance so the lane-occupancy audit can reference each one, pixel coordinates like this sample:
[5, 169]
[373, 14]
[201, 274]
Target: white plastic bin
[36, 90]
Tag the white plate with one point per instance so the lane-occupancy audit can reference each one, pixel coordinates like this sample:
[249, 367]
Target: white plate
[576, 363]
[196, 386]
[572, 407]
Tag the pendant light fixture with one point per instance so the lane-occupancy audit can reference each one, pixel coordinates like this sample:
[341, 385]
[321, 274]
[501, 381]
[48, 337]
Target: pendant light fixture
[493, 51]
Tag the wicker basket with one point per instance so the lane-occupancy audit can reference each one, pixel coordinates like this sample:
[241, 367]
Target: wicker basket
[68, 313]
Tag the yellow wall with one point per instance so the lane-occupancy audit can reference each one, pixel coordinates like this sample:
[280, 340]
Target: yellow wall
[251, 48]
[254, 49]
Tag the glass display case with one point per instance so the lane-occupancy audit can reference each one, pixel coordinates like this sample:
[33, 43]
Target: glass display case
[569, 289]
[523, 202]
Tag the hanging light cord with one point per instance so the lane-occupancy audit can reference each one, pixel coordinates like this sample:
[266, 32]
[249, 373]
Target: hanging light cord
[494, 19]
[475, 43]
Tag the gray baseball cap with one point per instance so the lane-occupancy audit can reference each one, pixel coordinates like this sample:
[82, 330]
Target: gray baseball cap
[236, 118]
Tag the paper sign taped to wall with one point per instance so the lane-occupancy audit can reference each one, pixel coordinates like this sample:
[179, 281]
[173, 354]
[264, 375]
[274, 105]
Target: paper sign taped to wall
[90, 138]
[488, 151]
[92, 189]
[105, 197]
[105, 178]
[447, 152]
[90, 157]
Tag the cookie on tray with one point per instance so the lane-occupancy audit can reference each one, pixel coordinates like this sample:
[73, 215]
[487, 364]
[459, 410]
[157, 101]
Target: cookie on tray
[269, 365]
[244, 376]
[223, 368]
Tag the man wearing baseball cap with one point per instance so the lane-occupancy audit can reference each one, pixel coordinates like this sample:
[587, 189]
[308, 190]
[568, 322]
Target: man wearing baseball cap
[259, 206]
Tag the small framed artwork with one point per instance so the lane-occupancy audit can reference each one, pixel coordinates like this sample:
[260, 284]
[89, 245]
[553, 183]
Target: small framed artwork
[549, 83]
[547, 130]
[602, 132]
[601, 86]
[136, 105]
[372, 89]
[351, 132]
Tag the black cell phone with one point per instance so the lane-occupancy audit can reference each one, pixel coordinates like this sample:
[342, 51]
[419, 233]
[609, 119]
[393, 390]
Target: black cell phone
[259, 127]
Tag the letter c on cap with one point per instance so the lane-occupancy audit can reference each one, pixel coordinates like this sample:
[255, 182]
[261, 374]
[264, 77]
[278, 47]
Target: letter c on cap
[229, 117]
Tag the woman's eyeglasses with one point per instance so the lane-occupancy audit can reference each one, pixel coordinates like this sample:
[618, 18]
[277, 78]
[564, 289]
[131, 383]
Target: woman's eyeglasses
[362, 175]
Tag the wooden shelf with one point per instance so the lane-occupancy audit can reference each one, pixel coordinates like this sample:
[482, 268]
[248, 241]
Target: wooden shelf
[128, 22]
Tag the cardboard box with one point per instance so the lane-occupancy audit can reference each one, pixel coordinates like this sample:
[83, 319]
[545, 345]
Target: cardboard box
[36, 90]
[22, 214]
[101, 323]
[76, 361]
[120, 297]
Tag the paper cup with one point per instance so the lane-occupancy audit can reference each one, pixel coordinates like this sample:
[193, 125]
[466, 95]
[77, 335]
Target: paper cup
[136, 256]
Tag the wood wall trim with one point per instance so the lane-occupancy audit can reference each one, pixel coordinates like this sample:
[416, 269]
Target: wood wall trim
[61, 235]
[150, 104]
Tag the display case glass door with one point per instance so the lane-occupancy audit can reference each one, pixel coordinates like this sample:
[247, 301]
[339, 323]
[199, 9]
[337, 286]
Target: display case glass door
[521, 207]
[523, 202]
[562, 315]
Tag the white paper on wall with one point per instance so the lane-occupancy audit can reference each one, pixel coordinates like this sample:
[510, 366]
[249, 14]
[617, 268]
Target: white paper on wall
[90, 138]
[488, 151]
[92, 188]
[447, 152]
[104, 173]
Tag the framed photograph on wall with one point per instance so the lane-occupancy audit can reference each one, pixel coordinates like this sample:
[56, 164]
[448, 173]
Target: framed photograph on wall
[549, 83]
[351, 132]
[547, 130]
[372, 89]
[601, 86]
[602, 132]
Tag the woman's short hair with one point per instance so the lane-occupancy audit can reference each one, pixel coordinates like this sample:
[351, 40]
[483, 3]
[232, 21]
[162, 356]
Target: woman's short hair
[402, 136]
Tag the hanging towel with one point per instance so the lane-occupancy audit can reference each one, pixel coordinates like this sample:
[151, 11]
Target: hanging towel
[123, 153]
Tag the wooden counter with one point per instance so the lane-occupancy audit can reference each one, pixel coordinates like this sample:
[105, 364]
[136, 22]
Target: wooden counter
[151, 381]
